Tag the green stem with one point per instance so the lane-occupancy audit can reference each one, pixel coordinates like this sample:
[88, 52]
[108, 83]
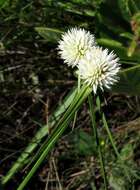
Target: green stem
[78, 90]
[110, 135]
[114, 146]
[93, 119]
[79, 82]
[58, 131]
[107, 128]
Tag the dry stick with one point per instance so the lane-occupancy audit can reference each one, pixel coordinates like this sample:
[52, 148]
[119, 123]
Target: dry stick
[57, 176]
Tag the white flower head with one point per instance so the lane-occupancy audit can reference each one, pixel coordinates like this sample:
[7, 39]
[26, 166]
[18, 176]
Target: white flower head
[99, 68]
[74, 45]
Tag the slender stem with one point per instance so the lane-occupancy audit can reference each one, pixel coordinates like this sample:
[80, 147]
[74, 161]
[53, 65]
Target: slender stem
[78, 90]
[114, 146]
[109, 135]
[79, 82]
[107, 128]
[93, 119]
[102, 165]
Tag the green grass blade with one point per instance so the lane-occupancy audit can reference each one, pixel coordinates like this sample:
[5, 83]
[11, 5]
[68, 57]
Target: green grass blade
[22, 160]
[49, 34]
[58, 131]
[109, 134]
[129, 81]
[114, 146]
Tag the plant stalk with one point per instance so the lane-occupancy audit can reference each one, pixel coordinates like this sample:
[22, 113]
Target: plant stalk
[95, 131]
[58, 131]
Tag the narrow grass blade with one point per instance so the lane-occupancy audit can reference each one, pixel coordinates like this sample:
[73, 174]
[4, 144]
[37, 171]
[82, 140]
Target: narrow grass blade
[22, 160]
[58, 131]
[114, 146]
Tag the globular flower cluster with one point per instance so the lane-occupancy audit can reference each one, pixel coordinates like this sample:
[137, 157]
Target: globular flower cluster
[96, 66]
[74, 45]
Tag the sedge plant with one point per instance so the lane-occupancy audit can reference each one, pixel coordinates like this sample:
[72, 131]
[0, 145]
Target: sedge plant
[97, 69]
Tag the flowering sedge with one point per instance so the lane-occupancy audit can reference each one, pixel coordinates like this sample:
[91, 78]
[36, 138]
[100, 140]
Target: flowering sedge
[97, 67]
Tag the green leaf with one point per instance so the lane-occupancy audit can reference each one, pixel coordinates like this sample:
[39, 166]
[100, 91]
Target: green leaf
[109, 42]
[134, 6]
[132, 47]
[113, 45]
[117, 179]
[118, 48]
[126, 152]
[127, 35]
[125, 9]
[49, 34]
[84, 143]
[2, 2]
[117, 182]
[129, 82]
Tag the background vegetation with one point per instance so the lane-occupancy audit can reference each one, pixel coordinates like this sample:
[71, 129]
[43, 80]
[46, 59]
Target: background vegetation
[33, 80]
